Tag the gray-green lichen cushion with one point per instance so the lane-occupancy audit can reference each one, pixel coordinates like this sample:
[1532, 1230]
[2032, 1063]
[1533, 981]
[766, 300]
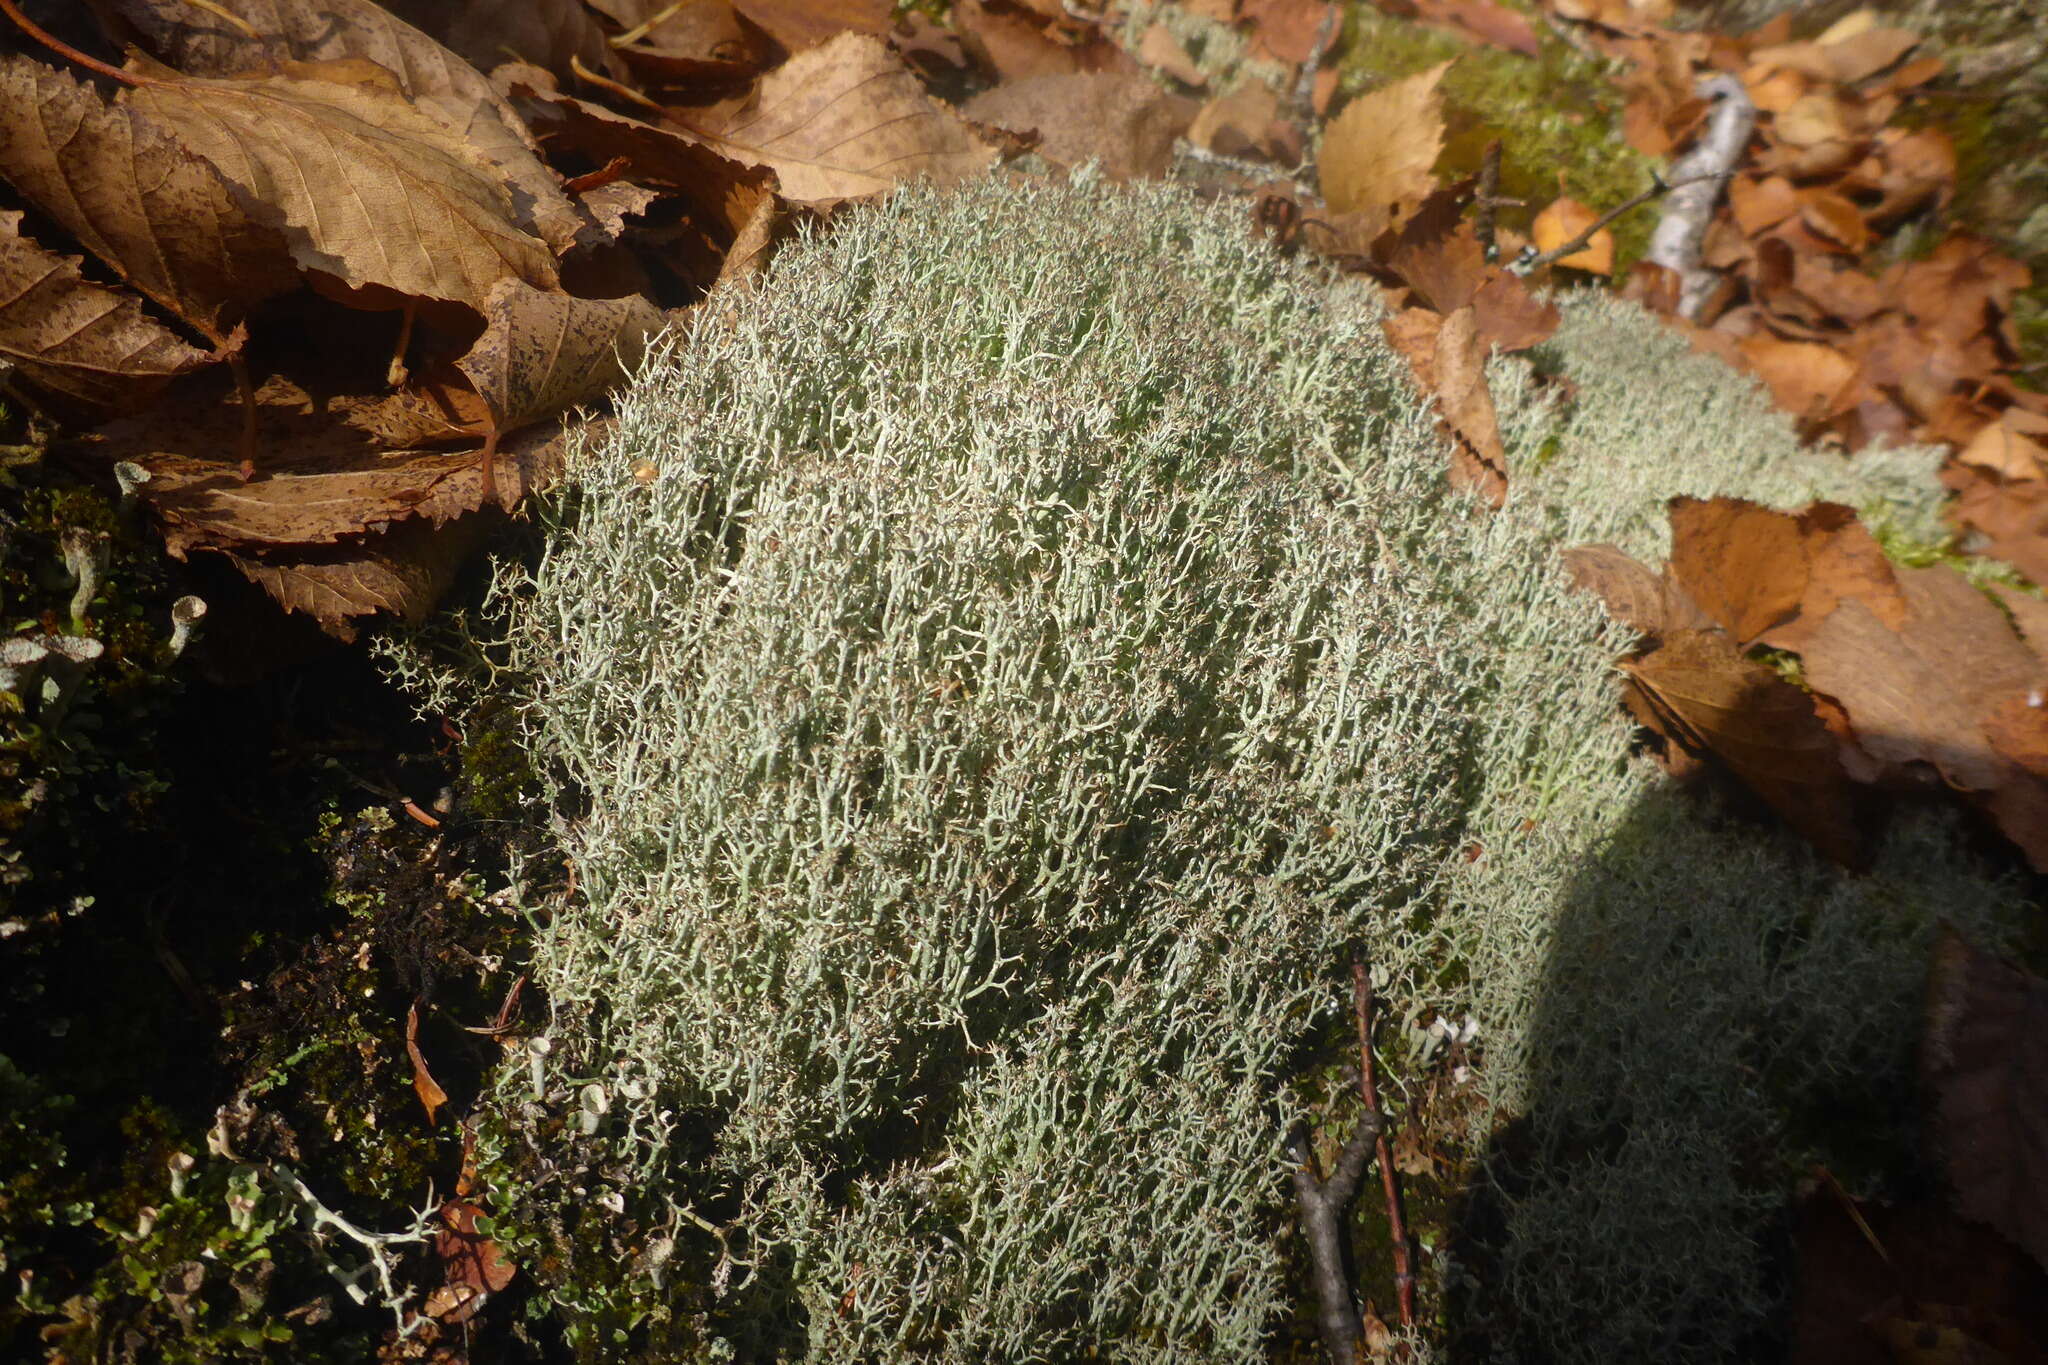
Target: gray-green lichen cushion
[1044, 651]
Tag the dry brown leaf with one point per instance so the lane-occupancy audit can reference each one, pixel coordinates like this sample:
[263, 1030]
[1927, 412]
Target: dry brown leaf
[722, 193]
[1483, 21]
[1985, 1056]
[1899, 1283]
[2004, 449]
[335, 466]
[1382, 149]
[403, 571]
[1285, 30]
[1247, 122]
[432, 1096]
[77, 340]
[1743, 563]
[472, 1264]
[1447, 363]
[1806, 379]
[541, 353]
[1836, 219]
[367, 190]
[1125, 121]
[1761, 726]
[1812, 121]
[1634, 594]
[847, 120]
[554, 35]
[1013, 44]
[799, 25]
[1761, 204]
[1563, 219]
[1862, 55]
[127, 192]
[1163, 52]
[1903, 691]
[331, 33]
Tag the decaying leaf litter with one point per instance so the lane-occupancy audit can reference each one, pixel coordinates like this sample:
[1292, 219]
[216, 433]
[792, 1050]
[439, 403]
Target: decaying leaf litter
[522, 195]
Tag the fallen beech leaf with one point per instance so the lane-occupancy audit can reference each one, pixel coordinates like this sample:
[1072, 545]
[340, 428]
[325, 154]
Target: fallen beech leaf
[1241, 123]
[1813, 120]
[2006, 451]
[1851, 1305]
[541, 353]
[1805, 378]
[1482, 20]
[1382, 149]
[1013, 44]
[1761, 726]
[1634, 594]
[1509, 317]
[368, 190]
[1743, 563]
[846, 120]
[1447, 360]
[78, 340]
[1761, 204]
[554, 35]
[1909, 702]
[432, 1096]
[2029, 614]
[798, 25]
[127, 192]
[1563, 219]
[1836, 219]
[1285, 30]
[403, 571]
[1161, 51]
[1985, 1056]
[1913, 168]
[472, 1264]
[1127, 122]
[1862, 55]
[328, 36]
[1842, 292]
[722, 193]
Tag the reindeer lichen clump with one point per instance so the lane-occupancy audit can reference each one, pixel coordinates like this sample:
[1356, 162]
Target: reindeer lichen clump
[996, 673]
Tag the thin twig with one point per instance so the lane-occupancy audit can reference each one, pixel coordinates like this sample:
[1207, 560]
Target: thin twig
[1658, 186]
[1368, 1089]
[70, 53]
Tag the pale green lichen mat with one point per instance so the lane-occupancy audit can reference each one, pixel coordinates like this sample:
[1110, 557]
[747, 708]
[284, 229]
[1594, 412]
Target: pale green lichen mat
[1044, 650]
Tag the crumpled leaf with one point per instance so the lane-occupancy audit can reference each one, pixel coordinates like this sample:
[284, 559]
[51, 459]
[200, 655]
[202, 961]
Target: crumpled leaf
[78, 340]
[134, 197]
[554, 35]
[798, 25]
[1563, 219]
[1985, 1057]
[432, 1096]
[846, 120]
[336, 466]
[365, 188]
[1647, 602]
[1382, 149]
[1125, 121]
[472, 1265]
[403, 571]
[434, 80]
[1447, 359]
[543, 352]
[1716, 701]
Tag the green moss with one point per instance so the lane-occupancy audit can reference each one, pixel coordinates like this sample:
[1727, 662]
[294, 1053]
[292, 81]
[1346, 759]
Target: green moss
[1557, 116]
